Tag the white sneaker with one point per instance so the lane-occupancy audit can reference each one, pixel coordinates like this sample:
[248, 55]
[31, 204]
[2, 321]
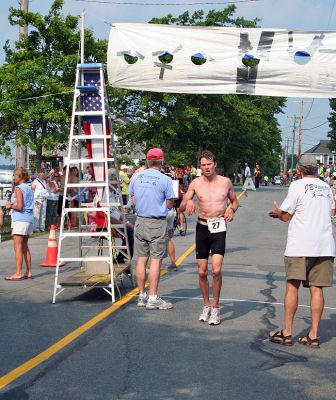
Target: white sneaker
[204, 317]
[142, 300]
[158, 303]
[214, 317]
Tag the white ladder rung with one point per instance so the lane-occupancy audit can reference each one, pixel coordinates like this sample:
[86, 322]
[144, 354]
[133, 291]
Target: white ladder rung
[89, 160]
[87, 184]
[84, 209]
[90, 113]
[72, 259]
[85, 234]
[89, 137]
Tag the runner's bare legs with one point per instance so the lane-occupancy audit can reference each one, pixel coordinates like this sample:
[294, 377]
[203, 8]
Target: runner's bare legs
[217, 261]
[203, 280]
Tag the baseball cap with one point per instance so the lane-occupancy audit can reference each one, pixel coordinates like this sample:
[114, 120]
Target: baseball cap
[308, 160]
[123, 166]
[154, 154]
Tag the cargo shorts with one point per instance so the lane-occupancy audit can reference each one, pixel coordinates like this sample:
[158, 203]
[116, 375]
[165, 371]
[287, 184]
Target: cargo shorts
[150, 237]
[312, 271]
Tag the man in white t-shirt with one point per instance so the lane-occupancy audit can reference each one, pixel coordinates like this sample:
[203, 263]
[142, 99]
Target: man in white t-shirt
[310, 249]
[248, 183]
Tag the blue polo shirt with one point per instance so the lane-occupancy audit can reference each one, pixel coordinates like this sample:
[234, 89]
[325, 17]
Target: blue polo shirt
[151, 189]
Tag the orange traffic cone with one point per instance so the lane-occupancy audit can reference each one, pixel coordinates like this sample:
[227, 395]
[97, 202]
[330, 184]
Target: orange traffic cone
[51, 254]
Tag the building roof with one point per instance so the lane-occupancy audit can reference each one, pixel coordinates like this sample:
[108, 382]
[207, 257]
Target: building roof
[321, 148]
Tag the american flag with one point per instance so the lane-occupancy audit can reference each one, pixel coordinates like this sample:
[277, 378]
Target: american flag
[91, 101]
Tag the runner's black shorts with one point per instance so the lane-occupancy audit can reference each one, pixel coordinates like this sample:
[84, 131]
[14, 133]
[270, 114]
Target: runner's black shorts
[178, 202]
[206, 242]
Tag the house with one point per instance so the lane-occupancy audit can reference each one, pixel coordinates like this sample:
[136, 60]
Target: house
[322, 153]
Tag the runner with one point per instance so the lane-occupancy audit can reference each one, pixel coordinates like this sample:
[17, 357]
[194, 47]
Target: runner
[212, 191]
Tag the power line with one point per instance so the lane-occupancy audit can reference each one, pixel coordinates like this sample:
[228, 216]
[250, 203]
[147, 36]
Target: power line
[311, 106]
[317, 126]
[36, 97]
[129, 3]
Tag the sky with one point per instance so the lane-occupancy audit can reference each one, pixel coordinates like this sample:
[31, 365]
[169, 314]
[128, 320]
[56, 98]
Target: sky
[281, 14]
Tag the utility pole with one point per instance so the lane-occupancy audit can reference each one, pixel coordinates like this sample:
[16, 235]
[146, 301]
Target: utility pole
[293, 142]
[300, 130]
[22, 151]
[286, 155]
[82, 36]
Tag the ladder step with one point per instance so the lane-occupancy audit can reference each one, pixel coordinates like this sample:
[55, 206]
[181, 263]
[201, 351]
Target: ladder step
[87, 184]
[89, 66]
[84, 234]
[91, 113]
[70, 259]
[87, 88]
[89, 137]
[89, 160]
[84, 209]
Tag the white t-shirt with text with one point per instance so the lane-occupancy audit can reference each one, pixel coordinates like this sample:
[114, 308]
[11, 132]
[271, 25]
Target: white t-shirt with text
[309, 201]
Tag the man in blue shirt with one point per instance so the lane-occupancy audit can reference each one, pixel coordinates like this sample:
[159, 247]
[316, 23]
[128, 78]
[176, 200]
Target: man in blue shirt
[152, 194]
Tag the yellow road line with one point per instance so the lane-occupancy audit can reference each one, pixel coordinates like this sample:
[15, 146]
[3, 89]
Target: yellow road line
[50, 351]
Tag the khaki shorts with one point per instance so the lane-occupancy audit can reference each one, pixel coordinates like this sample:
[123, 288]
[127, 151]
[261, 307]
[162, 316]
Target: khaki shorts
[22, 228]
[150, 237]
[312, 271]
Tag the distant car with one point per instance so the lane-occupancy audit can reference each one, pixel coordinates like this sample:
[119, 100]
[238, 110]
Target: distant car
[277, 180]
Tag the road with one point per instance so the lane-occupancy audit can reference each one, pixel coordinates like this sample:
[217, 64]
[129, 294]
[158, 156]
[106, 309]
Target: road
[134, 353]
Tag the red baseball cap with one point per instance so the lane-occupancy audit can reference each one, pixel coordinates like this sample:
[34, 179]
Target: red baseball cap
[154, 154]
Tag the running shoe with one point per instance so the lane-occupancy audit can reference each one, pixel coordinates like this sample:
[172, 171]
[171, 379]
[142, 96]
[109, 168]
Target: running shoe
[204, 317]
[142, 300]
[214, 317]
[159, 304]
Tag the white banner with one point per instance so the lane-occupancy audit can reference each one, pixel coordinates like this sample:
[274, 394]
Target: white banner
[267, 62]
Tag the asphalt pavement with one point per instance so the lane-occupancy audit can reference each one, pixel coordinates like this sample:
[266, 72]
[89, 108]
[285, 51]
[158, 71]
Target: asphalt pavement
[134, 353]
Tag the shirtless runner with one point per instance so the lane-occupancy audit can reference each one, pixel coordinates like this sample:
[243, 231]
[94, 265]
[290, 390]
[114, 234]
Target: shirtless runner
[212, 191]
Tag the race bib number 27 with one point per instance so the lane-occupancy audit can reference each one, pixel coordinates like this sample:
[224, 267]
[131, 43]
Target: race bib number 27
[216, 225]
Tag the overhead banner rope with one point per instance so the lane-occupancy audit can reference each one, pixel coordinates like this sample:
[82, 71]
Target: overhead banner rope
[218, 60]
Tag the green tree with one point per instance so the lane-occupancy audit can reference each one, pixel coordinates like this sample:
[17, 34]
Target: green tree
[237, 128]
[37, 79]
[332, 124]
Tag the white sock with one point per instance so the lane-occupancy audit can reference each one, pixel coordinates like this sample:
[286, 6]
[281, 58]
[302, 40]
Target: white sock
[143, 294]
[153, 297]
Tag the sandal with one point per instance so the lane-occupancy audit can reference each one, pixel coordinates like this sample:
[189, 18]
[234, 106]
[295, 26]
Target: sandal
[309, 342]
[279, 338]
[26, 276]
[15, 278]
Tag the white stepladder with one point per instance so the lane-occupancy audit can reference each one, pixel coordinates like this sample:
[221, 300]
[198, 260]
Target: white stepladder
[91, 126]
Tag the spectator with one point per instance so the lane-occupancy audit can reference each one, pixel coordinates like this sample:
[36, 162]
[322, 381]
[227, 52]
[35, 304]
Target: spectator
[151, 202]
[248, 180]
[125, 182]
[1, 218]
[39, 187]
[310, 249]
[23, 223]
[257, 175]
[54, 189]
